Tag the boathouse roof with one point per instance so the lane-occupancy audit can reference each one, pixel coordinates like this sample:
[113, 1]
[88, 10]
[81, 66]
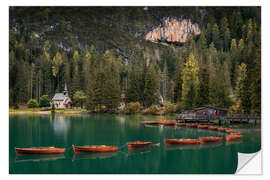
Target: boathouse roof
[211, 107]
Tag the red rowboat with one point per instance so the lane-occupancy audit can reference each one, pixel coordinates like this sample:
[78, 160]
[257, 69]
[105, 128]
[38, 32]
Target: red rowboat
[212, 127]
[221, 129]
[230, 131]
[233, 137]
[180, 124]
[39, 150]
[139, 144]
[210, 139]
[182, 141]
[151, 122]
[97, 148]
[167, 122]
[202, 126]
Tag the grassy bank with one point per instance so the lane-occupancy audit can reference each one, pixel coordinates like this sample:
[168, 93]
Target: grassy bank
[40, 111]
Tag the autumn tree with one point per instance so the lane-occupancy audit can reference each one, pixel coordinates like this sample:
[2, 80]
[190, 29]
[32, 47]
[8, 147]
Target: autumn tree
[190, 82]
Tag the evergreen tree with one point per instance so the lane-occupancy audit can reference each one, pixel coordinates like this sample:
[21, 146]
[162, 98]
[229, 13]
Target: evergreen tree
[242, 89]
[225, 33]
[44, 101]
[112, 86]
[236, 22]
[202, 41]
[203, 91]
[79, 98]
[178, 79]
[216, 37]
[227, 39]
[151, 85]
[56, 65]
[75, 73]
[255, 87]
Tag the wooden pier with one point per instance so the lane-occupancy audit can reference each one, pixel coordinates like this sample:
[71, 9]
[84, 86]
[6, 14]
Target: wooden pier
[231, 118]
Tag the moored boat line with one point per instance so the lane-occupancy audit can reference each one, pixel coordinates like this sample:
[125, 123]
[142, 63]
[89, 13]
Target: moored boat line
[233, 135]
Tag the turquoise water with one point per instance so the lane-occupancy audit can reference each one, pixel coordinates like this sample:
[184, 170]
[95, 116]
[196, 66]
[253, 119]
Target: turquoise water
[65, 130]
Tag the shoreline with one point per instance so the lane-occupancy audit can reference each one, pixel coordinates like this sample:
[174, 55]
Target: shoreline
[45, 112]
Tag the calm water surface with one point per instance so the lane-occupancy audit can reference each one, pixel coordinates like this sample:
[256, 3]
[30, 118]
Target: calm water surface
[65, 130]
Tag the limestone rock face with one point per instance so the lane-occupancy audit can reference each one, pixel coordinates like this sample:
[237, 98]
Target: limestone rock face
[173, 30]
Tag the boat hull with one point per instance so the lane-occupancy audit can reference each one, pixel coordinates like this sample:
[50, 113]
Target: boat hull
[221, 129]
[49, 150]
[202, 126]
[230, 131]
[151, 122]
[233, 137]
[135, 145]
[210, 139]
[89, 149]
[212, 128]
[167, 122]
[181, 141]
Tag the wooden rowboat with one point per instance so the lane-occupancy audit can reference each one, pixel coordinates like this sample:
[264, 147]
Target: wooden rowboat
[221, 129]
[180, 124]
[95, 148]
[181, 141]
[210, 139]
[151, 122]
[203, 126]
[139, 144]
[39, 150]
[230, 131]
[212, 127]
[167, 122]
[233, 137]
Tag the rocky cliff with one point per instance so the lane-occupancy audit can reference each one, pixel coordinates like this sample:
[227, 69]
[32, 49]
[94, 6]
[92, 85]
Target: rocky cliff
[173, 30]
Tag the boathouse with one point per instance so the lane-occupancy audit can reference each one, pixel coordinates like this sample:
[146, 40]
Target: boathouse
[212, 112]
[203, 113]
[61, 100]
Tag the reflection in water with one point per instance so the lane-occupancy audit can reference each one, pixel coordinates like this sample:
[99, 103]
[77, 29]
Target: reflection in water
[37, 158]
[234, 142]
[96, 155]
[193, 146]
[61, 125]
